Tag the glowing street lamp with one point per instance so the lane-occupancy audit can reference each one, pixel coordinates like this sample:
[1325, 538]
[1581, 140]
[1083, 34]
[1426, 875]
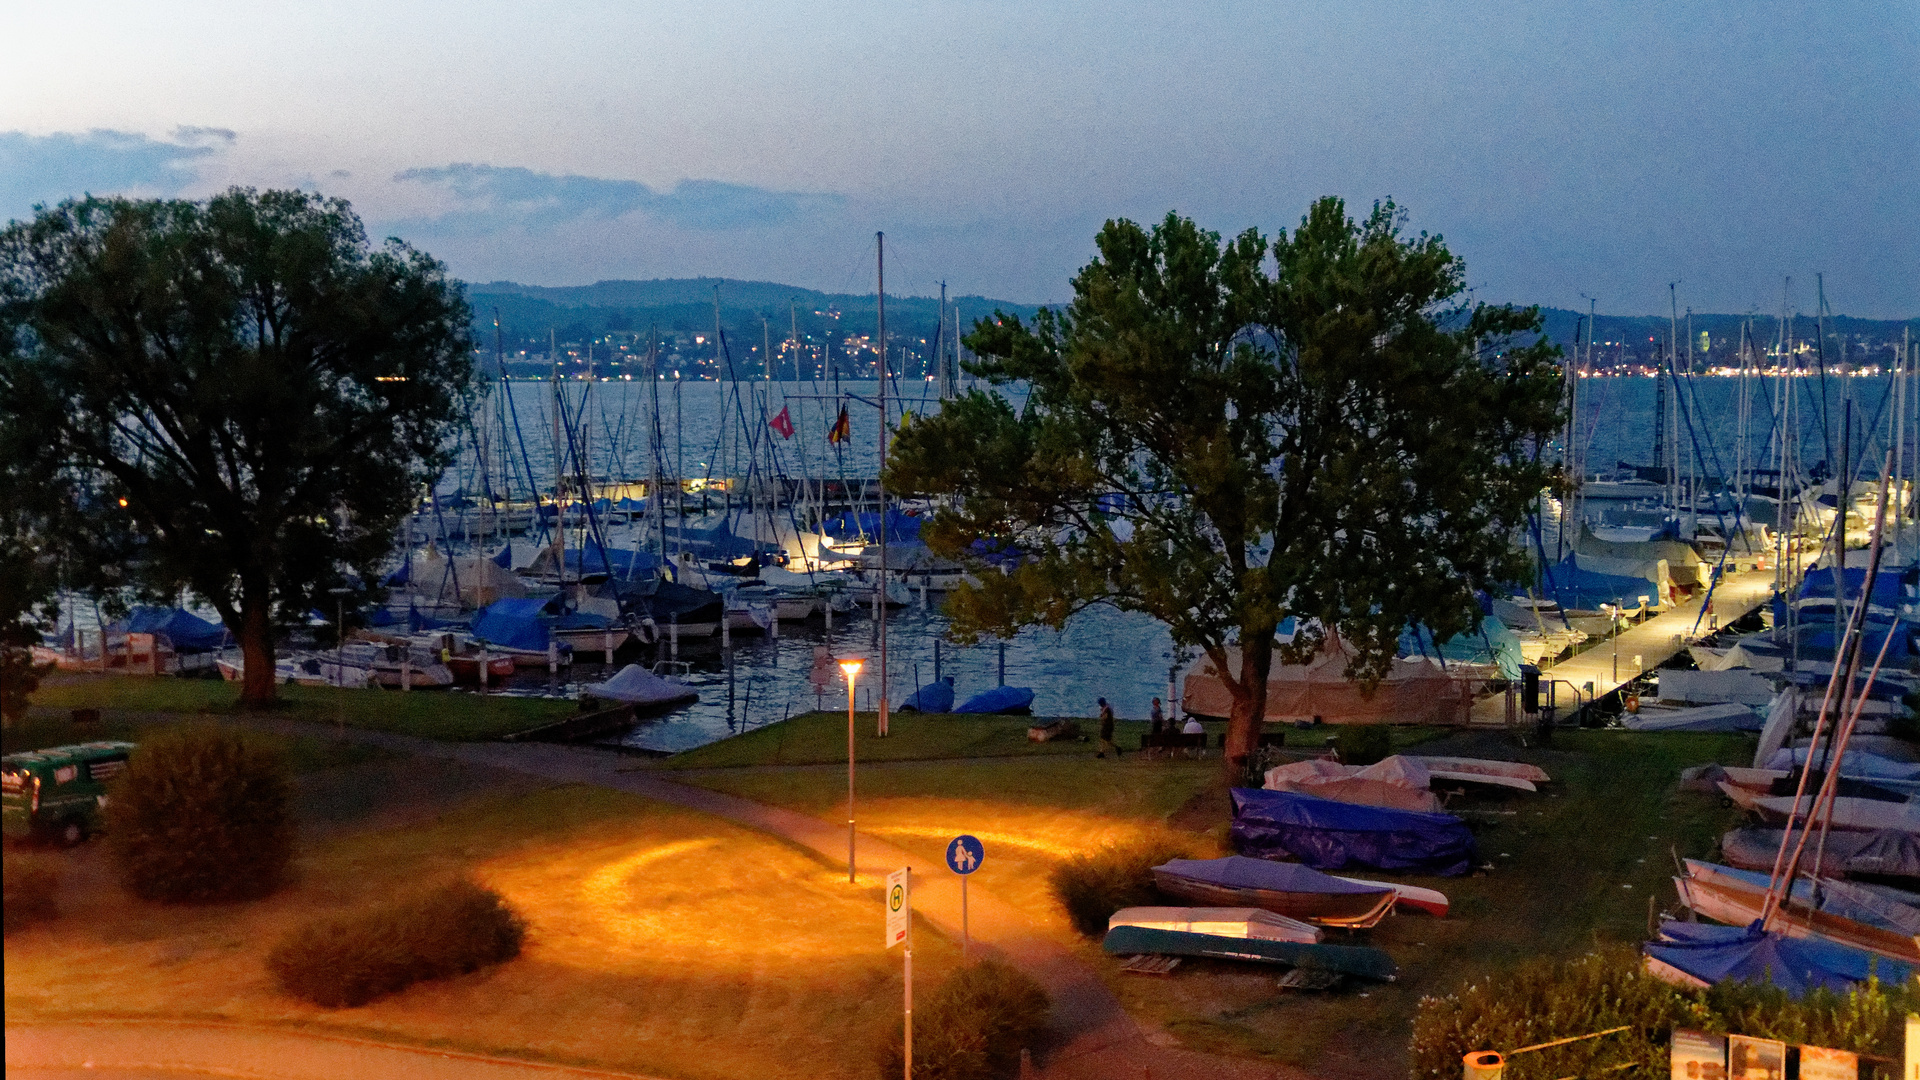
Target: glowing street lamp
[852, 669]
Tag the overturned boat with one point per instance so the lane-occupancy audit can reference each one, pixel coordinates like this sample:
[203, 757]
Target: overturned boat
[1289, 889]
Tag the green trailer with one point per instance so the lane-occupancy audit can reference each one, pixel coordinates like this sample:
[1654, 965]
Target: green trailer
[58, 793]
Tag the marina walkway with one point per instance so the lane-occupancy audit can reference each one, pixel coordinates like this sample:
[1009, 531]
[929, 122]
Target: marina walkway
[1609, 664]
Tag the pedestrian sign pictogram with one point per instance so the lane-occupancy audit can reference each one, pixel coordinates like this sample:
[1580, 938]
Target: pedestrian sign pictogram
[899, 907]
[965, 854]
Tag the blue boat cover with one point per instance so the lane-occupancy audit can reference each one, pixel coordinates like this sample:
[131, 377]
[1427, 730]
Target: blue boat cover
[504, 560]
[936, 696]
[1576, 589]
[1887, 590]
[1331, 835]
[625, 565]
[515, 624]
[184, 630]
[1716, 954]
[1240, 872]
[1493, 642]
[900, 526]
[1000, 699]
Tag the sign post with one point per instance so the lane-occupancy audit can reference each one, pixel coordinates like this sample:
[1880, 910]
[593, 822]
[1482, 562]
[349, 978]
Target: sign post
[900, 930]
[964, 856]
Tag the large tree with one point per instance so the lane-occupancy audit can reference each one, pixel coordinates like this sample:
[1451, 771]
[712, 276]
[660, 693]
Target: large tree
[1223, 435]
[238, 397]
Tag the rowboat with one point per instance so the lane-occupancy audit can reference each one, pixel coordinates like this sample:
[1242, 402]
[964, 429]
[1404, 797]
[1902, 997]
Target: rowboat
[1846, 913]
[1359, 960]
[1296, 891]
[1221, 922]
[1864, 815]
[1485, 767]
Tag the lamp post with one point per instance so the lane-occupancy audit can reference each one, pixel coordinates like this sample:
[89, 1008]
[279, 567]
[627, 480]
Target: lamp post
[852, 669]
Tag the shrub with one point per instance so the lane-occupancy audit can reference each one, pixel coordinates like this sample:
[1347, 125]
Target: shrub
[202, 814]
[1363, 744]
[1095, 885]
[31, 881]
[447, 929]
[972, 1027]
[1545, 1000]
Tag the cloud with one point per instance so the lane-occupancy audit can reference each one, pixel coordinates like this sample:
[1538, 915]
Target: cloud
[489, 196]
[47, 168]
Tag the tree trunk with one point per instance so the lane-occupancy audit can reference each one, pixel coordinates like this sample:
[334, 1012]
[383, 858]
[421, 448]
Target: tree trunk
[1249, 709]
[256, 649]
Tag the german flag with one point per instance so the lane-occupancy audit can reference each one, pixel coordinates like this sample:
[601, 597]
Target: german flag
[842, 429]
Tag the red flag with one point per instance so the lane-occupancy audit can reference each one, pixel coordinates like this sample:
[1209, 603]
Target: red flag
[842, 428]
[782, 424]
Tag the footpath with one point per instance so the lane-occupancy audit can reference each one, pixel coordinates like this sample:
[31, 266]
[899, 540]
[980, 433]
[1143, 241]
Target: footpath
[1092, 1037]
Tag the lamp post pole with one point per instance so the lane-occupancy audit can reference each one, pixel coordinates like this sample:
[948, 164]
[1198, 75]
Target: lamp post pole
[852, 669]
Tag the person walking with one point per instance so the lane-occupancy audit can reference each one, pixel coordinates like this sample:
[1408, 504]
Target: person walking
[1106, 731]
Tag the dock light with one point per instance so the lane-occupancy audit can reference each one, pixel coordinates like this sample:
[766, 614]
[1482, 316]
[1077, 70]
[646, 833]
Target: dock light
[123, 504]
[852, 670]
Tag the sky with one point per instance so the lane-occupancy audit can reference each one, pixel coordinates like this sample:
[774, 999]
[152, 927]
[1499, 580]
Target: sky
[1565, 150]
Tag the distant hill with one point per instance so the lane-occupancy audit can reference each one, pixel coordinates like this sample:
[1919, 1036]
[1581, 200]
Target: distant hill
[679, 307]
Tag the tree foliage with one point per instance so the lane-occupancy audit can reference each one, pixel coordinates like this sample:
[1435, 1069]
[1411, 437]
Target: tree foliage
[238, 397]
[1221, 441]
[202, 814]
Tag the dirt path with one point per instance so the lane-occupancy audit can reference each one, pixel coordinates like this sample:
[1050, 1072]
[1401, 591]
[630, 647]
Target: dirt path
[1092, 1036]
[156, 1049]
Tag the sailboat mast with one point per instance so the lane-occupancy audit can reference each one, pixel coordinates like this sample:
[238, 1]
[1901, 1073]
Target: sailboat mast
[880, 485]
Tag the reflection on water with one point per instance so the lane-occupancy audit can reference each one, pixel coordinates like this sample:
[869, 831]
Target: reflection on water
[1102, 653]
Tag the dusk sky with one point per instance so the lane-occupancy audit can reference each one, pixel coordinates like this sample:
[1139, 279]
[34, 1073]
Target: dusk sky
[1564, 149]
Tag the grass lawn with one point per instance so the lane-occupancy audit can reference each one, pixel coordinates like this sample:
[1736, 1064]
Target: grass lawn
[435, 715]
[1574, 865]
[820, 738]
[305, 753]
[661, 941]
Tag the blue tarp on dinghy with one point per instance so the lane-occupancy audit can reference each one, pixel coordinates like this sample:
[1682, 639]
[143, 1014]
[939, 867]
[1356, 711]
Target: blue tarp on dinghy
[1330, 835]
[1000, 699]
[515, 624]
[182, 629]
[1566, 584]
[935, 697]
[1716, 954]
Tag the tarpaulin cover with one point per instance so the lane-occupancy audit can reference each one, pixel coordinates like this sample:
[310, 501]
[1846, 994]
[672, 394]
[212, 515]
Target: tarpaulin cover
[1000, 699]
[639, 686]
[1855, 762]
[1493, 642]
[1332, 835]
[1716, 954]
[514, 624]
[593, 560]
[1361, 960]
[1413, 691]
[1241, 872]
[184, 630]
[1715, 687]
[1732, 716]
[1400, 783]
[1574, 588]
[1887, 590]
[935, 697]
[847, 526]
[1885, 853]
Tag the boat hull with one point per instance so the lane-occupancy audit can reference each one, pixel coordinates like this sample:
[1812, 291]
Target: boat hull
[1354, 911]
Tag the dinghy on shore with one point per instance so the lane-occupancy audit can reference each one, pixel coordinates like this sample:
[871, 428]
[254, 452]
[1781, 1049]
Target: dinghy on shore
[1357, 960]
[1296, 891]
[1242, 922]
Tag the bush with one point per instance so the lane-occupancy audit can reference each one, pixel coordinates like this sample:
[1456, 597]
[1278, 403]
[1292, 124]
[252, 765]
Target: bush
[1363, 744]
[31, 881]
[448, 929]
[1095, 885]
[971, 1028]
[1545, 1000]
[202, 814]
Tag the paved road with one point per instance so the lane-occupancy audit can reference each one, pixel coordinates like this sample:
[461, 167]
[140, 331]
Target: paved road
[1092, 1037]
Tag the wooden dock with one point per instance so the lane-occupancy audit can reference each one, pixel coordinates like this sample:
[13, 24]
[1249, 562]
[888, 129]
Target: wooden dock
[1609, 664]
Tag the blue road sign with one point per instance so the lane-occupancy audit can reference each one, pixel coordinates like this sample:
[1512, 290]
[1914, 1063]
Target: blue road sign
[965, 854]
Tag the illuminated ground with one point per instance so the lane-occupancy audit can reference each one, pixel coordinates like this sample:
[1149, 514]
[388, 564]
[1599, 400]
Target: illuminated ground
[662, 941]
